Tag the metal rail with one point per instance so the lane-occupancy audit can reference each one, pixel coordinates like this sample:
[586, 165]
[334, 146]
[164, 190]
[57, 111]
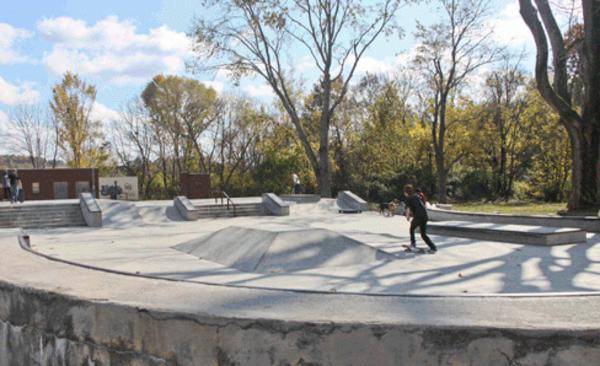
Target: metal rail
[225, 200]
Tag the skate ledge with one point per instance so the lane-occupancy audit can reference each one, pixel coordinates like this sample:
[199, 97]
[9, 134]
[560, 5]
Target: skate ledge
[509, 233]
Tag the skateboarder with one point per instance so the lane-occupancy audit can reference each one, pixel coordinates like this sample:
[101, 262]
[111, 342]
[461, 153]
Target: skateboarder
[415, 208]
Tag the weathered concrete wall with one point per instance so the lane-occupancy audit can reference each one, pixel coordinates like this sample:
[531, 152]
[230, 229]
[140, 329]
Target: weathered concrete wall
[42, 328]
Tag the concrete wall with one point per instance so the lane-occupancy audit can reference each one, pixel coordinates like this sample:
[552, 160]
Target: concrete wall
[128, 186]
[45, 328]
[92, 214]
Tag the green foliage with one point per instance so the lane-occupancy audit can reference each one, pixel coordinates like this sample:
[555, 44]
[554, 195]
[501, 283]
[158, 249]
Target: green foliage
[281, 156]
[378, 143]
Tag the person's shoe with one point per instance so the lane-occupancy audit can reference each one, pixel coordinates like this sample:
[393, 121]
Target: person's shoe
[431, 251]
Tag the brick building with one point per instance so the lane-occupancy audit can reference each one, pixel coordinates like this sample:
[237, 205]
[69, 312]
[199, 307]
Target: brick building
[195, 185]
[61, 183]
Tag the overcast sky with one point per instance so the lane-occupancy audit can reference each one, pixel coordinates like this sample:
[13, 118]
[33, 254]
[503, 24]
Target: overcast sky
[120, 45]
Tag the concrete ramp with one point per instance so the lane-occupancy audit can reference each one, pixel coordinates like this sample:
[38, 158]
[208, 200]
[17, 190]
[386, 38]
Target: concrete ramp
[349, 202]
[118, 213]
[125, 214]
[280, 250]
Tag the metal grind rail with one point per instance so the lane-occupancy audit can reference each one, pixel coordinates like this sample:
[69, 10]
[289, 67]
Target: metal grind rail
[225, 200]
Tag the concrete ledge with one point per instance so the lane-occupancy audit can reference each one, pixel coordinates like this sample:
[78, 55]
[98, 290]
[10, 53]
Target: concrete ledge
[186, 209]
[518, 234]
[349, 202]
[92, 214]
[301, 198]
[586, 223]
[274, 205]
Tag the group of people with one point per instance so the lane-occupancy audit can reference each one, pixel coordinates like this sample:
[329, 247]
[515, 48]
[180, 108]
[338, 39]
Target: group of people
[12, 187]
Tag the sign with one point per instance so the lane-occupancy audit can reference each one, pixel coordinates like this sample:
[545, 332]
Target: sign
[121, 188]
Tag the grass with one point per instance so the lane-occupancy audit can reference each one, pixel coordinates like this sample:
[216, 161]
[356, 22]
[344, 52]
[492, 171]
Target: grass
[523, 208]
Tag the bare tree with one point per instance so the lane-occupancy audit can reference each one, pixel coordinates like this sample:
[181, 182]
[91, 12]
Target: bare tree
[236, 136]
[254, 37]
[449, 53]
[133, 142]
[32, 133]
[582, 121]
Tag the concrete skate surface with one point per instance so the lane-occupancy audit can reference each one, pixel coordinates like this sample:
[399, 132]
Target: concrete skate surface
[138, 237]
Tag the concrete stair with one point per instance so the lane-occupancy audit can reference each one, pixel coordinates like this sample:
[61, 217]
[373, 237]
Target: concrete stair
[41, 216]
[241, 209]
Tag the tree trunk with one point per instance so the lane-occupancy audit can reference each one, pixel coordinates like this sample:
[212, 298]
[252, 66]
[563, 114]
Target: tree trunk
[324, 177]
[585, 149]
[442, 176]
[324, 123]
[440, 153]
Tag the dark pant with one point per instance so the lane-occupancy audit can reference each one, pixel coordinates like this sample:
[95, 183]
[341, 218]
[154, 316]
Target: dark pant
[422, 225]
[296, 188]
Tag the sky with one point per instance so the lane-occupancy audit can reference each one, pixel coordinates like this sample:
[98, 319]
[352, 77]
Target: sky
[120, 45]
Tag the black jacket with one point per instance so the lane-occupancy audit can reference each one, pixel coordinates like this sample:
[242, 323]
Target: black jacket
[417, 208]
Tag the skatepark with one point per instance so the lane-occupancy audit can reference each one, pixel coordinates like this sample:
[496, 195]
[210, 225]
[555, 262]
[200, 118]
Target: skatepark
[310, 286]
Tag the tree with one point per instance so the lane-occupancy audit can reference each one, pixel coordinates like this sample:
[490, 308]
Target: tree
[33, 133]
[582, 122]
[133, 140]
[186, 108]
[236, 135]
[72, 103]
[506, 103]
[181, 110]
[549, 164]
[254, 37]
[449, 53]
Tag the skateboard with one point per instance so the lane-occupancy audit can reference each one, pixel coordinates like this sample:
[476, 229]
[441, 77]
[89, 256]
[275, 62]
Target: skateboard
[411, 249]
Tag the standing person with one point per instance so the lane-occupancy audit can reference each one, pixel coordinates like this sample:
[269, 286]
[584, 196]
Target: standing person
[115, 191]
[415, 208]
[296, 181]
[12, 180]
[20, 197]
[6, 185]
